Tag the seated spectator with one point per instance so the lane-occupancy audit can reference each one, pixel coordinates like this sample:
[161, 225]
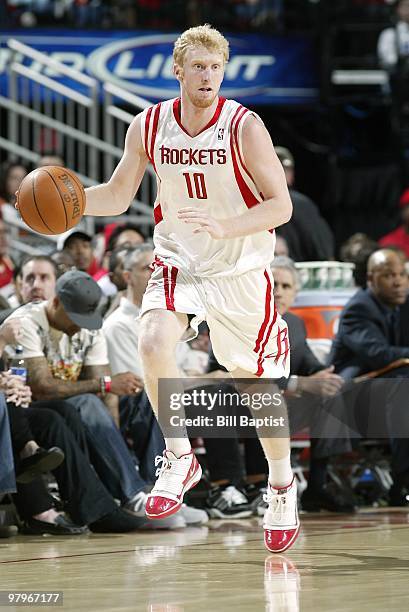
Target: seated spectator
[121, 327]
[312, 401]
[370, 337]
[400, 236]
[124, 235]
[113, 284]
[11, 175]
[357, 250]
[307, 234]
[79, 245]
[66, 361]
[64, 261]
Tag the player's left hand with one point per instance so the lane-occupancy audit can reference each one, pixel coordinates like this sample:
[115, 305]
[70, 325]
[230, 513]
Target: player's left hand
[206, 223]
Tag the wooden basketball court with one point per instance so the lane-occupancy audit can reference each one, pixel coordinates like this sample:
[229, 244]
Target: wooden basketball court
[339, 563]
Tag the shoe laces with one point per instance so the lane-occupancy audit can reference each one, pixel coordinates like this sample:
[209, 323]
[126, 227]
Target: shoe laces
[233, 496]
[170, 474]
[277, 505]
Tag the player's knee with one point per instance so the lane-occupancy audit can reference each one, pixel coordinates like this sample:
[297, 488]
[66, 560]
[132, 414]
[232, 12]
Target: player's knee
[150, 342]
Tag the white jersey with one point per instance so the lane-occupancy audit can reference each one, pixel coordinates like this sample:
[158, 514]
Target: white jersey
[206, 171]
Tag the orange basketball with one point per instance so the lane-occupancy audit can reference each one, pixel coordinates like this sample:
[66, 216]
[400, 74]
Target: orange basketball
[51, 200]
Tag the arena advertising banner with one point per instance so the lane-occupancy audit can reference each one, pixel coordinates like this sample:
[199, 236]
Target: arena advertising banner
[262, 69]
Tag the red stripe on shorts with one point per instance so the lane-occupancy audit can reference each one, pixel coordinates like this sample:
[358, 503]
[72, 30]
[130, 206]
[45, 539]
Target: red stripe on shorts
[157, 214]
[267, 313]
[261, 358]
[173, 275]
[279, 345]
[287, 346]
[169, 283]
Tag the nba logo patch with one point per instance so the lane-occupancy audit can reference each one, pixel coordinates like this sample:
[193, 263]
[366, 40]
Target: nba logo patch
[220, 134]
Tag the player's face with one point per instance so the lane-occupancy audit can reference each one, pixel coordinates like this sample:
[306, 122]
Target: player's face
[389, 281]
[38, 281]
[285, 289]
[201, 75]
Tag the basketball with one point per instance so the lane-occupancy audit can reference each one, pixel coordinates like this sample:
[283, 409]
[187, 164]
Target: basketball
[51, 200]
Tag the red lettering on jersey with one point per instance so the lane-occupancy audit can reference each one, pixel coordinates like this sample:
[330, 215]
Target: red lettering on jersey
[221, 156]
[192, 157]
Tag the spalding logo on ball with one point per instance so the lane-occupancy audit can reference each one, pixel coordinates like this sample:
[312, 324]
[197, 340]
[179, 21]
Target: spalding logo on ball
[51, 200]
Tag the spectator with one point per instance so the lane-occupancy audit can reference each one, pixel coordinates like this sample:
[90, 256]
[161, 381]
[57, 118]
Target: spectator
[126, 235]
[400, 236]
[371, 336]
[308, 235]
[113, 284]
[65, 361]
[121, 327]
[79, 245]
[11, 175]
[357, 250]
[85, 498]
[64, 261]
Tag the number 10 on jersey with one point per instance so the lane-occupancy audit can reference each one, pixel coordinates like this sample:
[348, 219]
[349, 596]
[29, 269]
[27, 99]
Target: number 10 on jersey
[196, 186]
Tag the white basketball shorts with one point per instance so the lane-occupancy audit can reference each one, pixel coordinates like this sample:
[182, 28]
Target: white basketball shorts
[245, 329]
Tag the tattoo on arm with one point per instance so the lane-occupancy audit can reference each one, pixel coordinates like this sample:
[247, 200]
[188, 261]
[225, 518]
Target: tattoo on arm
[45, 386]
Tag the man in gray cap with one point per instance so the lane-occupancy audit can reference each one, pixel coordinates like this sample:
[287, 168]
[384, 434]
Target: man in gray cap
[66, 358]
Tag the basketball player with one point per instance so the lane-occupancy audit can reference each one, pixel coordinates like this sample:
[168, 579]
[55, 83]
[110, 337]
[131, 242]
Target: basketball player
[221, 193]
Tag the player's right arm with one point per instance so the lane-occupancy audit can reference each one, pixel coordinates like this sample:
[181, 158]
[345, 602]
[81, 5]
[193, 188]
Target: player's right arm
[115, 196]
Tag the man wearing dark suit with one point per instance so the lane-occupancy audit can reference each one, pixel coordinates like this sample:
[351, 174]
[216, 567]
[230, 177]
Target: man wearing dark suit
[313, 401]
[307, 234]
[373, 333]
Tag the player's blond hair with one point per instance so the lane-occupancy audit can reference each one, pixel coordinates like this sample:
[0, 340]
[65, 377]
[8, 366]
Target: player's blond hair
[203, 35]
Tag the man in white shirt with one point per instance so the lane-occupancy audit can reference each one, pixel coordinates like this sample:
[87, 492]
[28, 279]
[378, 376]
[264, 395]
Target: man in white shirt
[121, 327]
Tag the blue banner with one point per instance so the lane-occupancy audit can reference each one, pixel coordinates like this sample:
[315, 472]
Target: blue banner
[261, 70]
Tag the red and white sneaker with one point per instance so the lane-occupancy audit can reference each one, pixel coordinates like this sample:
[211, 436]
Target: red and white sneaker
[175, 478]
[281, 522]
